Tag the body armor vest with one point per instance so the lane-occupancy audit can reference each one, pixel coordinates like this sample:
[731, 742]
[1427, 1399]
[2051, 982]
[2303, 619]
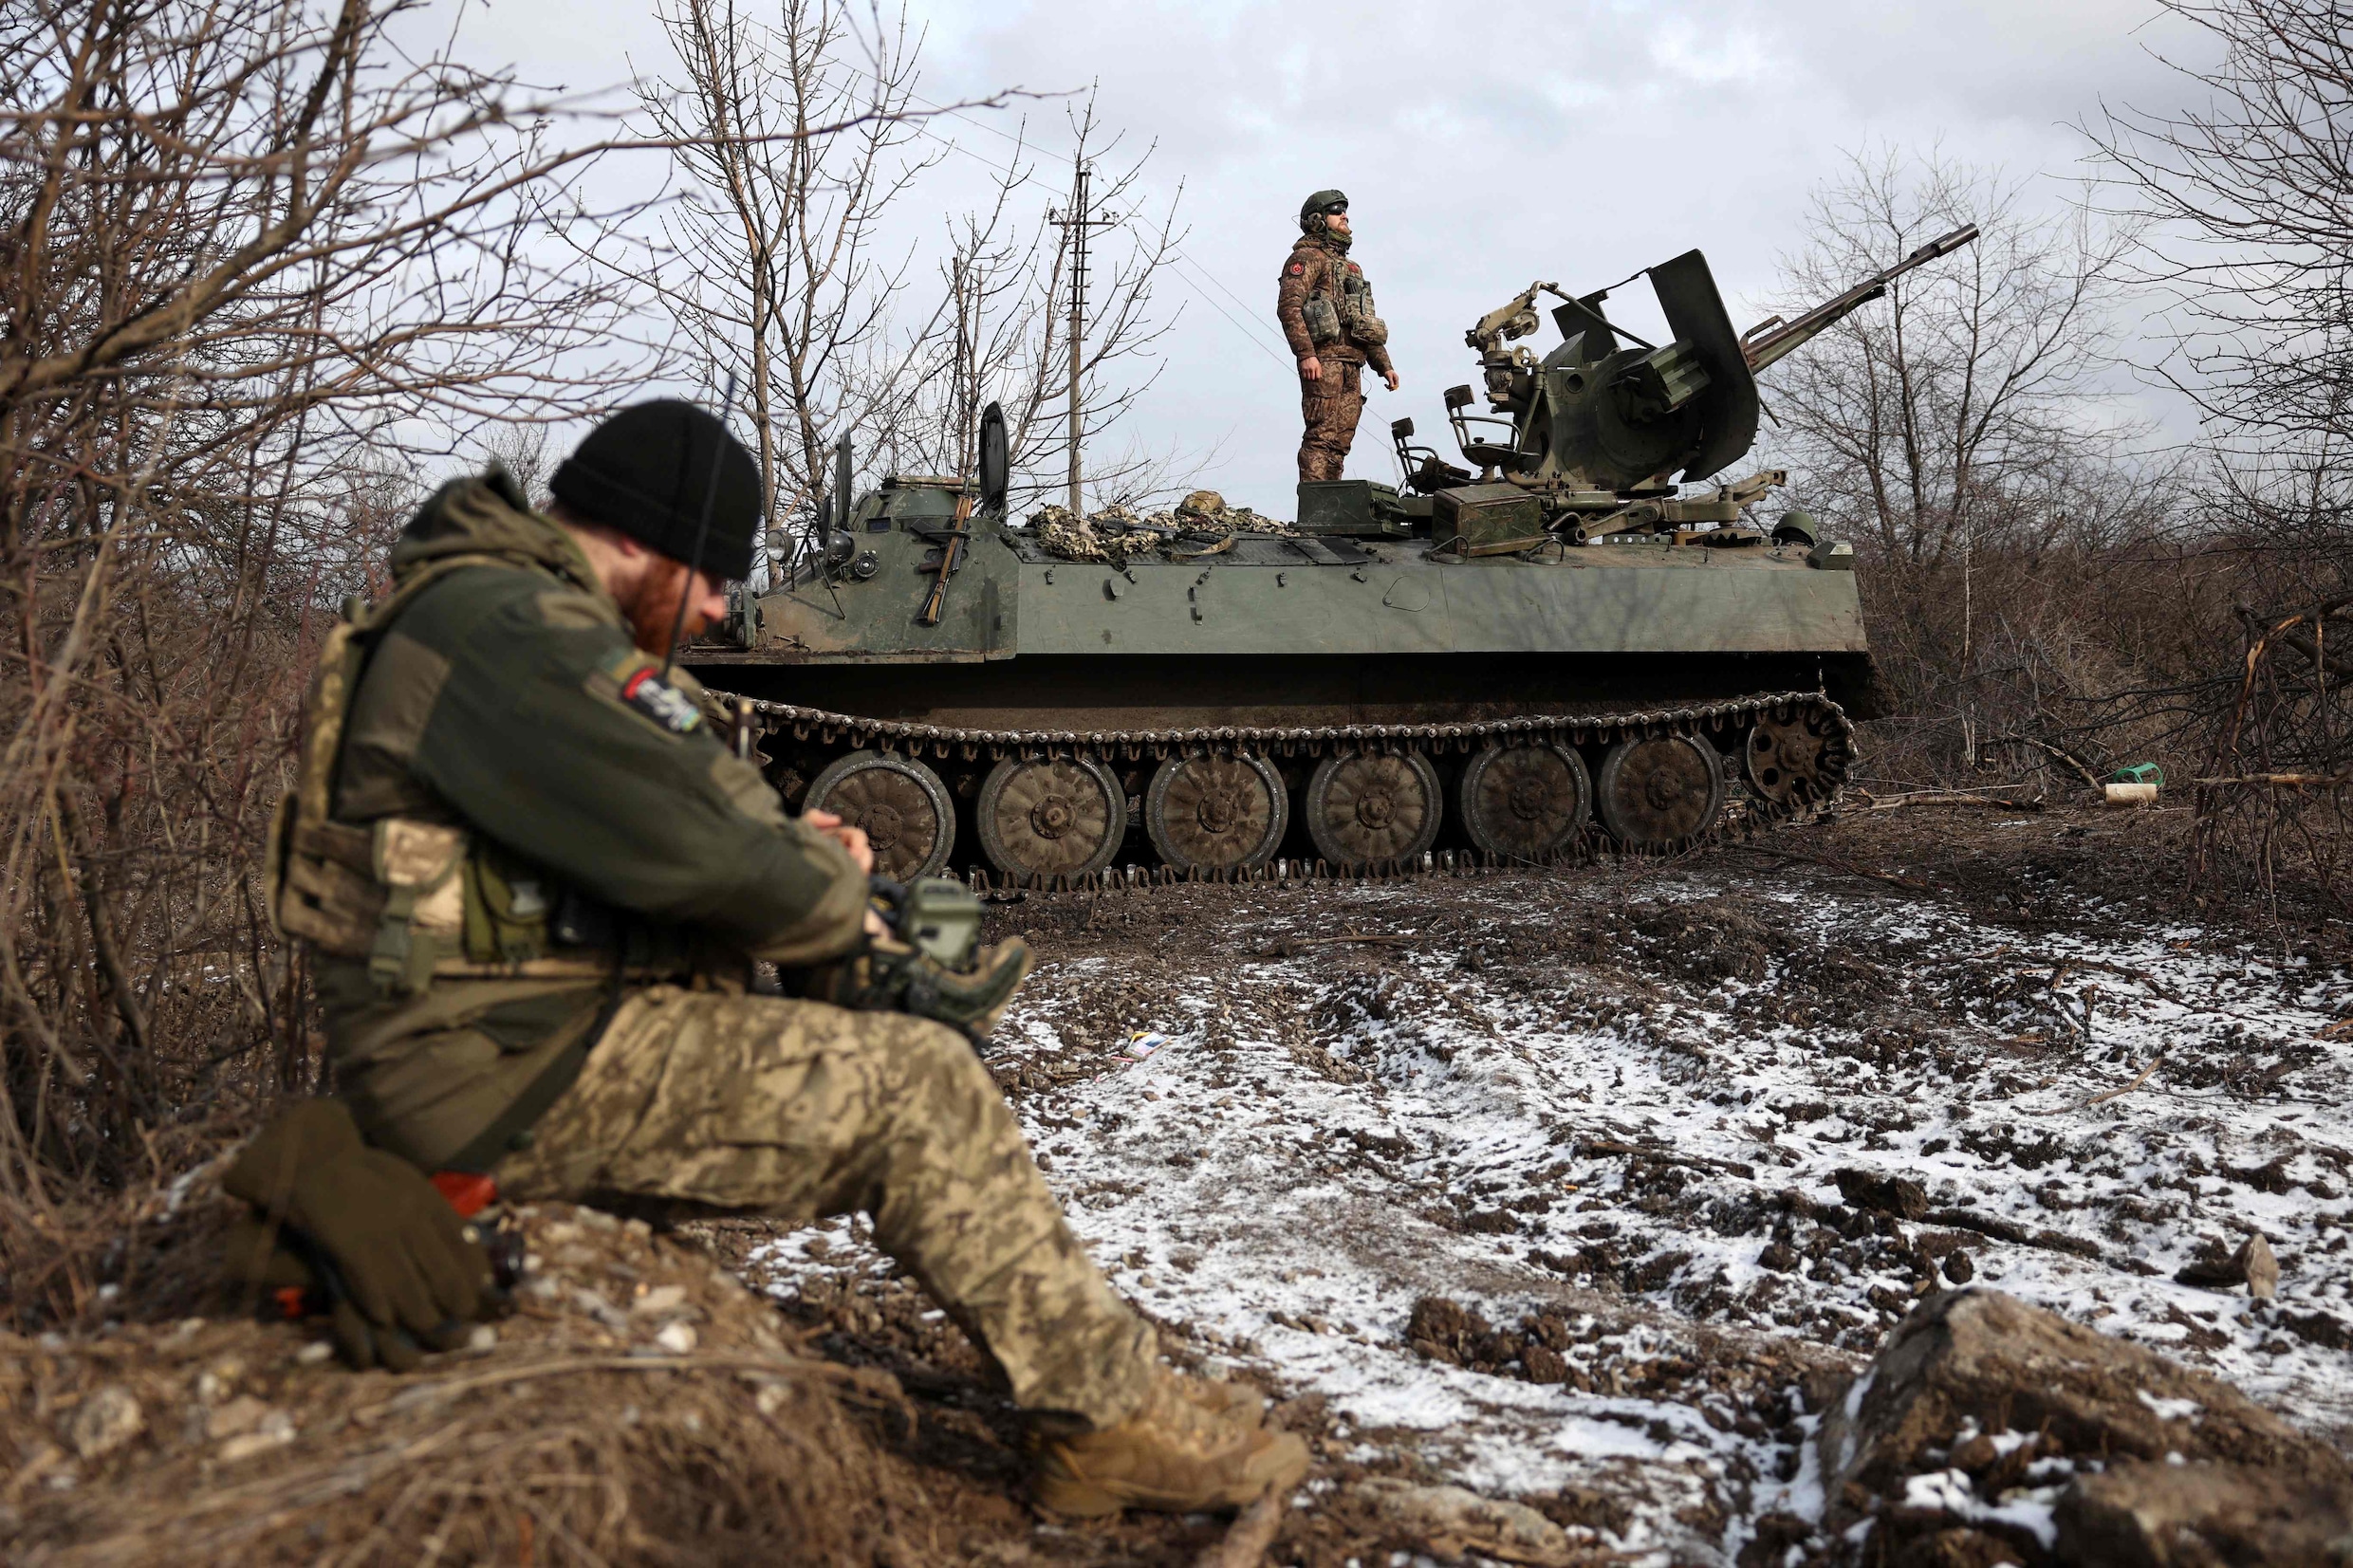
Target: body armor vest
[419, 899]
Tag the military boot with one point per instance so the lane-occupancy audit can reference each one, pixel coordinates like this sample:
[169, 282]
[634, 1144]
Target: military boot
[1191, 1447]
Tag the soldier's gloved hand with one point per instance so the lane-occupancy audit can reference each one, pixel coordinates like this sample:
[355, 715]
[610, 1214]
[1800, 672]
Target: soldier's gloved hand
[891, 976]
[272, 1261]
[973, 999]
[399, 1269]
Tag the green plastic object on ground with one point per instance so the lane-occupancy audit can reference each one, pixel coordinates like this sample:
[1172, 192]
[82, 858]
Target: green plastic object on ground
[2148, 773]
[1578, 632]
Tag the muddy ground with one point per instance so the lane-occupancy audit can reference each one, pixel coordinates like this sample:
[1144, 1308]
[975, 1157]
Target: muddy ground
[1586, 1189]
[1581, 1187]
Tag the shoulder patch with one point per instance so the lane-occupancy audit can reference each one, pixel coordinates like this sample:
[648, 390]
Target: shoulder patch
[1297, 267]
[1355, 268]
[660, 702]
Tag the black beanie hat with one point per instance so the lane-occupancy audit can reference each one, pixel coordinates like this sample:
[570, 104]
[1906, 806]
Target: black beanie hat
[646, 472]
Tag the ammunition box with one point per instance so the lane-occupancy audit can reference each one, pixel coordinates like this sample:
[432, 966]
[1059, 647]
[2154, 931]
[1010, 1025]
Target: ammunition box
[1487, 520]
[1357, 508]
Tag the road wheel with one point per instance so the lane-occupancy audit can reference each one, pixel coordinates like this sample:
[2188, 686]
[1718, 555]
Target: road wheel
[1371, 808]
[901, 804]
[1050, 815]
[1525, 802]
[1662, 791]
[1214, 811]
[1791, 759]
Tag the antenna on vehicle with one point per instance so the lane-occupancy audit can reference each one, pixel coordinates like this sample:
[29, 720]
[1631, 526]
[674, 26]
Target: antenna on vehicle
[702, 530]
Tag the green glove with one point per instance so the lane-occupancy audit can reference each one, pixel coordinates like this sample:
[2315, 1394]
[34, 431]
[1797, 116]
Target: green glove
[399, 1269]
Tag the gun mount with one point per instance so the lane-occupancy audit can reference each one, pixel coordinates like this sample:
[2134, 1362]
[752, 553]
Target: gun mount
[1596, 433]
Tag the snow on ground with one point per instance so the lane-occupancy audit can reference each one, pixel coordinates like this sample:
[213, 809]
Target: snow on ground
[1608, 1112]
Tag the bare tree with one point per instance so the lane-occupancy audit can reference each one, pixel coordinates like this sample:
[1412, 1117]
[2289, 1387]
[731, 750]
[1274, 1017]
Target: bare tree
[790, 267]
[2249, 204]
[248, 252]
[2247, 199]
[1012, 260]
[521, 449]
[775, 263]
[1963, 432]
[1914, 420]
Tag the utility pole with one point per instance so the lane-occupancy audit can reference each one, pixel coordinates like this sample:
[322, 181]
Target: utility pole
[1075, 223]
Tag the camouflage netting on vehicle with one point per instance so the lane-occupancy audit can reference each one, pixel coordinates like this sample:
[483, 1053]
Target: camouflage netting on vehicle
[1198, 525]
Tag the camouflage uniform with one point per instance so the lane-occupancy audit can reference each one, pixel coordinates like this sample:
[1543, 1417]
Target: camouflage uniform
[798, 1110]
[1325, 308]
[513, 841]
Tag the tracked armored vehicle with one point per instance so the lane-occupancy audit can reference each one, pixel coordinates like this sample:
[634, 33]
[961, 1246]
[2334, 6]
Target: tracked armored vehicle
[1553, 647]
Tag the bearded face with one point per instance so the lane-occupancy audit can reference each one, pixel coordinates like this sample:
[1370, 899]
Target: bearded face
[653, 610]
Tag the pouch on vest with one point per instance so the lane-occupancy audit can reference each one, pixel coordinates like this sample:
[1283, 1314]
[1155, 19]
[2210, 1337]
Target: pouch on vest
[420, 867]
[1356, 311]
[320, 877]
[1323, 321]
[321, 883]
[508, 905]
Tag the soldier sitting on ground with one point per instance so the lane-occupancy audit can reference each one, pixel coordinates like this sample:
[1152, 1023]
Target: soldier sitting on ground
[535, 882]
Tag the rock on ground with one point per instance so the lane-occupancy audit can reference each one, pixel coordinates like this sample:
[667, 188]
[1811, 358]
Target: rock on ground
[1988, 1426]
[2189, 1516]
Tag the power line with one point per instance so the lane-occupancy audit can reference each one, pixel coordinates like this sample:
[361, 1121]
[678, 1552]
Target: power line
[1178, 256]
[1257, 341]
[1282, 356]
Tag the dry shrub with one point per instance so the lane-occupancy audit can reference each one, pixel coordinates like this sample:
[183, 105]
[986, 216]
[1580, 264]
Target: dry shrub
[578, 1439]
[2273, 824]
[228, 304]
[2075, 661]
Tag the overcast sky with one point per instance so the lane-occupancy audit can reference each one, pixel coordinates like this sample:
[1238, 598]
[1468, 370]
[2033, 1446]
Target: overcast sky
[1481, 147]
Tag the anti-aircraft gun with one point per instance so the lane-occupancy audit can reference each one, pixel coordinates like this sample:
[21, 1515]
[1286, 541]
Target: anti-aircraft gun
[1586, 442]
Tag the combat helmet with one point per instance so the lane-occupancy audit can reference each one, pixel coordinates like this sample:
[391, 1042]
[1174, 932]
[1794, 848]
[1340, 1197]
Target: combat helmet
[1312, 211]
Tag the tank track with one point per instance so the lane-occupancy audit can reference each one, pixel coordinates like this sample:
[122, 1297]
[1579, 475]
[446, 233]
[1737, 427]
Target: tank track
[1757, 812]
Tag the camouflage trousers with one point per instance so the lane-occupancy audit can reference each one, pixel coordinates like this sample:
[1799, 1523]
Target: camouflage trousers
[799, 1110]
[1332, 403]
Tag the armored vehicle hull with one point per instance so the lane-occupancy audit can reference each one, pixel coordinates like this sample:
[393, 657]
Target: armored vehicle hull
[1368, 703]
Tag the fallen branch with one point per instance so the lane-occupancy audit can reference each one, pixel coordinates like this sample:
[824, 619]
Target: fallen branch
[1831, 862]
[1245, 1542]
[1664, 1157]
[2155, 985]
[2067, 757]
[2017, 1235]
[1297, 945]
[2138, 1079]
[2278, 781]
[1948, 797]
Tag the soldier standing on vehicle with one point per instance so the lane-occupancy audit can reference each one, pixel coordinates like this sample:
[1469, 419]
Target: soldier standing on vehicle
[1327, 310]
[536, 881]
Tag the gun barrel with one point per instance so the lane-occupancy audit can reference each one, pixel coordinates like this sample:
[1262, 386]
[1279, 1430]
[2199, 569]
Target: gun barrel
[1763, 348]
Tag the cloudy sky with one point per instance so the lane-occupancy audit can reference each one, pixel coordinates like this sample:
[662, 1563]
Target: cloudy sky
[1481, 146]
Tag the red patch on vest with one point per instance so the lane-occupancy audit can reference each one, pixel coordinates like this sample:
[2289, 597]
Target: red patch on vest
[645, 693]
[1354, 268]
[1298, 267]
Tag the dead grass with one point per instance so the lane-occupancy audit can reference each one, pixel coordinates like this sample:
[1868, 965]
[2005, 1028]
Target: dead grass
[639, 1407]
